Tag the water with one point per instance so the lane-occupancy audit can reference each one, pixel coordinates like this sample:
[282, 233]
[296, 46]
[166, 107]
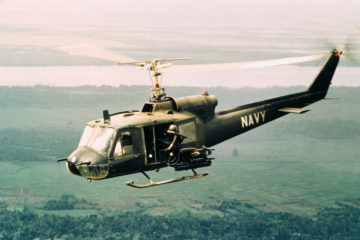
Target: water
[117, 75]
[31, 32]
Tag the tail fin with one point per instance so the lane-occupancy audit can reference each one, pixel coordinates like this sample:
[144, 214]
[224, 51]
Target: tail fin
[323, 79]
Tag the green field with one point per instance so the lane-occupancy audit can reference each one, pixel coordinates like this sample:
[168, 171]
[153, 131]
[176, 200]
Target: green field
[297, 164]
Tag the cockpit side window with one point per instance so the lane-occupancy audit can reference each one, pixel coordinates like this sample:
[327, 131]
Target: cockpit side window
[124, 144]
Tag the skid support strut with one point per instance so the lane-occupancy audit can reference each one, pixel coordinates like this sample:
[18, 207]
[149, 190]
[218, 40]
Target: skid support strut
[153, 184]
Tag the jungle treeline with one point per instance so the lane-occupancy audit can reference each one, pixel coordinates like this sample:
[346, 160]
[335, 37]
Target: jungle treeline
[329, 223]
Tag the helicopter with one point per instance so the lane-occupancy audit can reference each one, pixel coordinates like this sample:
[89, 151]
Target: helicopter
[178, 132]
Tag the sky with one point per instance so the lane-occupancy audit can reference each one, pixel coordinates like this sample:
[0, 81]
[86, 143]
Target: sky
[74, 33]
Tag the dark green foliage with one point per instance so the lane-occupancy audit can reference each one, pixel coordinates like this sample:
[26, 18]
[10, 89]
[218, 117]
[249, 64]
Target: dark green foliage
[235, 153]
[339, 223]
[3, 204]
[68, 202]
[36, 145]
[45, 97]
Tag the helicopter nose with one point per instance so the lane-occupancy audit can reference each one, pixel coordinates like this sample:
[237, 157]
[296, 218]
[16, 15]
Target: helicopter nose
[72, 169]
[88, 163]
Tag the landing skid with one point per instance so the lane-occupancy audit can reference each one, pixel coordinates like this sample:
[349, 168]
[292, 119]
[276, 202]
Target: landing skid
[153, 184]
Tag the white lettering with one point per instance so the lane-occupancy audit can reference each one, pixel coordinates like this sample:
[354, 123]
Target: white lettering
[251, 121]
[244, 121]
[263, 115]
[257, 117]
[248, 120]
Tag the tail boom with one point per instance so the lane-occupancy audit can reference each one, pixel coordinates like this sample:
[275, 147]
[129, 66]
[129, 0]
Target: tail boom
[240, 119]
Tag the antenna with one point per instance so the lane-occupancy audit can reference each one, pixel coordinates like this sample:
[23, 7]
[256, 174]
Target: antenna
[154, 67]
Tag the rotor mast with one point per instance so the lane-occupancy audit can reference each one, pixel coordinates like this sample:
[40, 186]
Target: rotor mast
[154, 68]
[156, 92]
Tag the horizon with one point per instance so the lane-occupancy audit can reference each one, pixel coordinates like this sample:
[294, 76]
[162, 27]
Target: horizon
[61, 76]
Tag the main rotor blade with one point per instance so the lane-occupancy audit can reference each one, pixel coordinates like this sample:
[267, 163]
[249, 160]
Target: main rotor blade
[143, 63]
[173, 59]
[90, 50]
[241, 65]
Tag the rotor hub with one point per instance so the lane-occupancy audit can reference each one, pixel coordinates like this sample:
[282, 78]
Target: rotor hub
[154, 68]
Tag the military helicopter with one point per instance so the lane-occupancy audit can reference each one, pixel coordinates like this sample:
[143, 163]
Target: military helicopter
[178, 132]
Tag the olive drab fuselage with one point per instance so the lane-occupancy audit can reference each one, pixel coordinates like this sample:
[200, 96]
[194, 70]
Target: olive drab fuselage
[133, 141]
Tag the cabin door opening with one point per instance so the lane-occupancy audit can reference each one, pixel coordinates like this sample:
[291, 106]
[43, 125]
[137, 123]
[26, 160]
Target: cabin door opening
[153, 146]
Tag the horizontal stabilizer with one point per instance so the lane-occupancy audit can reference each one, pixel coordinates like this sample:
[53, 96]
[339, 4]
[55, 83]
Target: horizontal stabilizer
[294, 110]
